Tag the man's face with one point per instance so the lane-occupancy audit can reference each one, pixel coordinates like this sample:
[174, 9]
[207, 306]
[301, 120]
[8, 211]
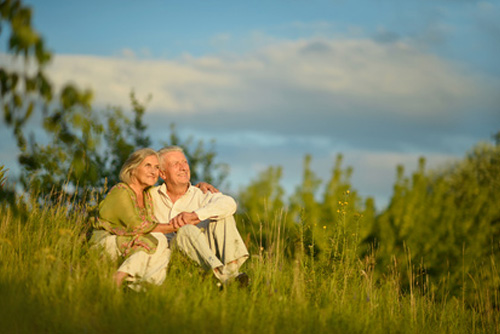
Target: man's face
[175, 169]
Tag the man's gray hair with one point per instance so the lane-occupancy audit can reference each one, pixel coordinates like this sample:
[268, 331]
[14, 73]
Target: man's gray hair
[168, 149]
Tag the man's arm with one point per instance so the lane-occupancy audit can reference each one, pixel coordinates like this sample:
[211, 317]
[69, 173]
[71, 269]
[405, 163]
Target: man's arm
[184, 218]
[215, 206]
[200, 207]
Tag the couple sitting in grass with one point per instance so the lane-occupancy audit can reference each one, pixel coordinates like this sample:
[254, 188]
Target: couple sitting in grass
[140, 223]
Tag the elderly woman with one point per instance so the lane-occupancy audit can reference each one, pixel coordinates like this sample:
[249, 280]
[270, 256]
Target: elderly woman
[126, 226]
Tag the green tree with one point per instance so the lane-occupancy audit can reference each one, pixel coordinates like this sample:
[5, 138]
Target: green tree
[67, 159]
[263, 212]
[121, 136]
[306, 211]
[85, 150]
[446, 221]
[80, 149]
[342, 213]
[25, 88]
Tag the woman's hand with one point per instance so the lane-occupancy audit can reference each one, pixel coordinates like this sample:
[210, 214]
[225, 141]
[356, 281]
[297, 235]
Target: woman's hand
[184, 218]
[164, 228]
[206, 187]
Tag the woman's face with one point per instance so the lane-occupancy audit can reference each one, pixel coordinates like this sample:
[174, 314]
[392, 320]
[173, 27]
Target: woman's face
[146, 174]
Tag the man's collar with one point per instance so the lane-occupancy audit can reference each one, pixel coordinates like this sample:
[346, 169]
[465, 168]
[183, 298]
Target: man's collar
[162, 189]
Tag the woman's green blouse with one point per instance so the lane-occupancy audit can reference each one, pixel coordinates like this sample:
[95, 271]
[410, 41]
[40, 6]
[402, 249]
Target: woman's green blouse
[119, 214]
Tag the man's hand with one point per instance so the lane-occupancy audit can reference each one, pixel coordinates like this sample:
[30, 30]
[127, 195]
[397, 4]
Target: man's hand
[184, 218]
[206, 187]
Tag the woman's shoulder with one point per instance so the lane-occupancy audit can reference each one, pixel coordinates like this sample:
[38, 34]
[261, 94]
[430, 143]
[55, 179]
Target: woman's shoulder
[117, 198]
[119, 191]
[119, 187]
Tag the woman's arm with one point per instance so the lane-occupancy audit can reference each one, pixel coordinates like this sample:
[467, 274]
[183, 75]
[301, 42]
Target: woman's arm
[164, 228]
[206, 187]
[118, 213]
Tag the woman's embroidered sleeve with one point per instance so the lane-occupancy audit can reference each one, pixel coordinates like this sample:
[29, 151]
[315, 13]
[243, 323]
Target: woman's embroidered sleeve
[120, 214]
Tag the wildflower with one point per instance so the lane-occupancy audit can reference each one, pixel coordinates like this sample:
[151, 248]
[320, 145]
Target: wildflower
[324, 227]
[347, 191]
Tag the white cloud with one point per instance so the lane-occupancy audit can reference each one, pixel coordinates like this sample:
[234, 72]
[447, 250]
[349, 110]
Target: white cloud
[347, 73]
[369, 95]
[170, 83]
[128, 53]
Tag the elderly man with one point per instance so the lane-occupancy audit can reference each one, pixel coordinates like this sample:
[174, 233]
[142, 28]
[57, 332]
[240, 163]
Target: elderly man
[204, 223]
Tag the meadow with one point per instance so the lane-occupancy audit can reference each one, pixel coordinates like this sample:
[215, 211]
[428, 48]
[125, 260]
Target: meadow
[52, 282]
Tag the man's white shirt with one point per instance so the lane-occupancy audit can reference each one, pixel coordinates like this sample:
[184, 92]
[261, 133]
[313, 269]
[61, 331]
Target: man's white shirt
[206, 206]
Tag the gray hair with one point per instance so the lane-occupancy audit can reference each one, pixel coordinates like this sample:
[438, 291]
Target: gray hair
[168, 149]
[133, 161]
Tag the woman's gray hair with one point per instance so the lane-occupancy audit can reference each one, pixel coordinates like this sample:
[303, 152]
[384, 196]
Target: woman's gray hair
[133, 161]
[168, 149]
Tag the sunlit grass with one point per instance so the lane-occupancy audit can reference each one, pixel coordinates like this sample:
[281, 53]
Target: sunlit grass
[51, 282]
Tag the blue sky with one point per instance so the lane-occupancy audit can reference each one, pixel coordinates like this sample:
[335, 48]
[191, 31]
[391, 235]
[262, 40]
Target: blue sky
[382, 82]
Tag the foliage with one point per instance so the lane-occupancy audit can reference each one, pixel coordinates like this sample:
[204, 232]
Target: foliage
[26, 88]
[449, 220]
[3, 176]
[261, 213]
[305, 210]
[8, 194]
[19, 90]
[83, 151]
[446, 221]
[121, 136]
[80, 148]
[325, 220]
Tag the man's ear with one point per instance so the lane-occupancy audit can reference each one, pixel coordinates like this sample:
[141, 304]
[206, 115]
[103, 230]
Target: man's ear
[162, 174]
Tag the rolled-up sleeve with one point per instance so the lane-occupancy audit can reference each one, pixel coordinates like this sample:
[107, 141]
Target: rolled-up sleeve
[216, 206]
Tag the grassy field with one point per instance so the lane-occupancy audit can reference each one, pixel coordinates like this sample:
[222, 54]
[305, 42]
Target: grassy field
[51, 282]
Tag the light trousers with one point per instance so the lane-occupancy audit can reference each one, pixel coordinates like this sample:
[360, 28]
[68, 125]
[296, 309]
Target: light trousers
[141, 266]
[213, 244]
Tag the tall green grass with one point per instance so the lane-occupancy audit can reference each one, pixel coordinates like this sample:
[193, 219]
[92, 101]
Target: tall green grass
[51, 282]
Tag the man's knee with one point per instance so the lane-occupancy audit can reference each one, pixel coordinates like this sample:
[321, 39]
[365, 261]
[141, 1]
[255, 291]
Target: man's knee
[187, 231]
[229, 220]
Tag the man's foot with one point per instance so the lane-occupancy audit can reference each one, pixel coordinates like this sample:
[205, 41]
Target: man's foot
[243, 280]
